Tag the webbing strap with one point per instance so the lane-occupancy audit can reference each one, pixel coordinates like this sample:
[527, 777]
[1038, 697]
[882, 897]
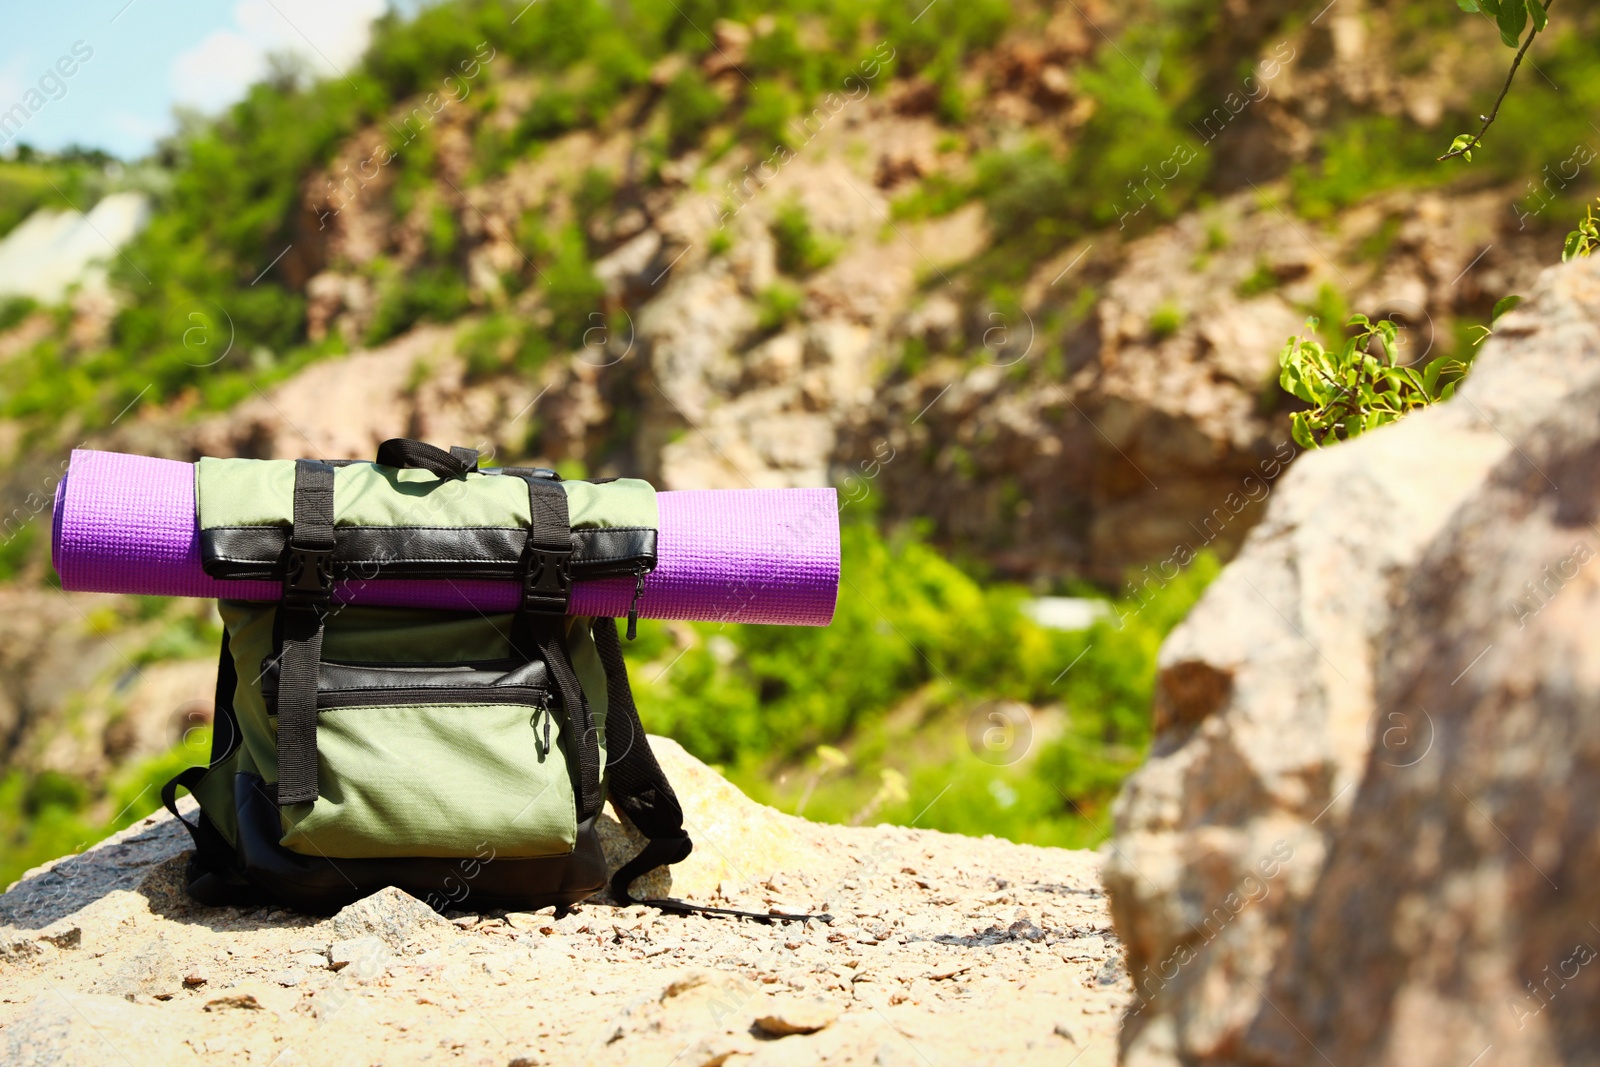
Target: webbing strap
[307, 588]
[638, 785]
[547, 554]
[639, 788]
[540, 626]
[404, 452]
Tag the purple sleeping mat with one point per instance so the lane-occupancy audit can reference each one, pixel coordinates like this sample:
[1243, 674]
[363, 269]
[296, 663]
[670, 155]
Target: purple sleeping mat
[128, 524]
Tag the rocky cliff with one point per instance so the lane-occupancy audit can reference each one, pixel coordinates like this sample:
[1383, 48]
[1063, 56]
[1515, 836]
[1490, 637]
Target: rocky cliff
[1365, 832]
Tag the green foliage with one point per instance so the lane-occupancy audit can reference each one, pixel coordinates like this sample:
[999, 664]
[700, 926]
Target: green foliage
[771, 108]
[572, 293]
[692, 106]
[1132, 165]
[1263, 279]
[913, 632]
[48, 814]
[431, 294]
[1582, 241]
[1512, 17]
[1352, 390]
[777, 306]
[14, 309]
[27, 184]
[16, 548]
[800, 250]
[1357, 157]
[1165, 321]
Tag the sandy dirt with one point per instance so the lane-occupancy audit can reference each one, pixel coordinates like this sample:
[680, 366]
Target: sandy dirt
[942, 950]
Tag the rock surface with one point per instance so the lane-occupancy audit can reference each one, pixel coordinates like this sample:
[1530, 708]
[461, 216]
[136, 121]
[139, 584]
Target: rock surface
[1366, 830]
[943, 950]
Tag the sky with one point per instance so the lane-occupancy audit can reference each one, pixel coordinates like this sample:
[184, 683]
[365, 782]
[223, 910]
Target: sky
[131, 61]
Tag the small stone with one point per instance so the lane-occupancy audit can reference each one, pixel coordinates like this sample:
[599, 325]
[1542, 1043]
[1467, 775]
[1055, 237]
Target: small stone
[234, 1001]
[465, 922]
[395, 917]
[194, 981]
[369, 955]
[949, 971]
[288, 978]
[71, 938]
[310, 961]
[19, 949]
[254, 996]
[1062, 1032]
[526, 920]
[786, 1017]
[1024, 929]
[713, 1051]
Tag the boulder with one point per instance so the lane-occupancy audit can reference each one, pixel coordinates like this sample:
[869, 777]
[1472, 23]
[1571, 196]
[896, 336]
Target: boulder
[735, 839]
[1367, 781]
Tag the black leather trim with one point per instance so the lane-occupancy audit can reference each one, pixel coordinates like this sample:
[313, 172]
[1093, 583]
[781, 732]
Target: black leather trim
[339, 676]
[354, 685]
[321, 885]
[371, 552]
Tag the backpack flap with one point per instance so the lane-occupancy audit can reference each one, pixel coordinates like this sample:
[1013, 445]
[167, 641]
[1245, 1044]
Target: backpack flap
[393, 522]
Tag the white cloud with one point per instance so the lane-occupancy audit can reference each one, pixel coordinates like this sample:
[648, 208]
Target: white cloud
[331, 36]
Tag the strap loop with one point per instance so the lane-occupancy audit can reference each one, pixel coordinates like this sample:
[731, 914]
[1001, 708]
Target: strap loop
[404, 452]
[307, 589]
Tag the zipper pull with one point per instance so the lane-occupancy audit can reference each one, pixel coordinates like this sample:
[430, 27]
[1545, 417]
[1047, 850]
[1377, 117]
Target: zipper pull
[633, 608]
[533, 721]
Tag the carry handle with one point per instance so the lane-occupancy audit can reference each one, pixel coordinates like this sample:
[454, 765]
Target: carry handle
[404, 452]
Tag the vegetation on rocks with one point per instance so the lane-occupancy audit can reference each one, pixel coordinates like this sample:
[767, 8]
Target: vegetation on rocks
[1075, 140]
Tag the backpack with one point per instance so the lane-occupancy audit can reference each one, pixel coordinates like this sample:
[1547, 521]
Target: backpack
[462, 756]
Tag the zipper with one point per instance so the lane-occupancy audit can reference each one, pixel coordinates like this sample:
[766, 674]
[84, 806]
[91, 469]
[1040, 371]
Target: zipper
[633, 608]
[395, 696]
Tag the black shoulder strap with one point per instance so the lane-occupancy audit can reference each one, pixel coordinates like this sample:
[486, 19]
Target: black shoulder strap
[639, 788]
[307, 589]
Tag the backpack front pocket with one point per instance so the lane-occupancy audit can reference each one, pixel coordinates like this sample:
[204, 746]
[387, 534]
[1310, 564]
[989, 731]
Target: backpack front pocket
[436, 760]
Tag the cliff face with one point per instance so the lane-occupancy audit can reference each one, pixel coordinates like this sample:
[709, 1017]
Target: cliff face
[859, 306]
[792, 316]
[1366, 826]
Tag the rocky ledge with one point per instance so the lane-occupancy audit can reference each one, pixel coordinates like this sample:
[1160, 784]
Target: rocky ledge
[941, 950]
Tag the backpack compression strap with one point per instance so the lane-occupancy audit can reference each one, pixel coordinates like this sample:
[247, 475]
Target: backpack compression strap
[639, 788]
[540, 623]
[307, 589]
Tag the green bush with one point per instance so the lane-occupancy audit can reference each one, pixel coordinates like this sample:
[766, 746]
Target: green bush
[692, 106]
[800, 250]
[778, 305]
[912, 630]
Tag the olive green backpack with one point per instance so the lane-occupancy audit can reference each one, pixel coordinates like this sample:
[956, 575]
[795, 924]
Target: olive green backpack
[461, 756]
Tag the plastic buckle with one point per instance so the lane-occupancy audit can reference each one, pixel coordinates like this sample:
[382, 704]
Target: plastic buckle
[308, 574]
[546, 580]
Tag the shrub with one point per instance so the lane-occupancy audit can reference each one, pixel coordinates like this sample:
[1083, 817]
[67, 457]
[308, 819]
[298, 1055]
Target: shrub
[800, 250]
[692, 106]
[912, 630]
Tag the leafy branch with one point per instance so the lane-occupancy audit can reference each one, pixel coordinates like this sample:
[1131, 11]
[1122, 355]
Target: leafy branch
[1511, 16]
[1585, 239]
[1351, 390]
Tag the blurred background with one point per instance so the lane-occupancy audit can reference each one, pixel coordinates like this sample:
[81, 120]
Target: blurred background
[1012, 276]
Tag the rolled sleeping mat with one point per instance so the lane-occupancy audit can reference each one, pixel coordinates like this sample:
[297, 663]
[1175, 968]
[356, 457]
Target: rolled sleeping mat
[135, 524]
